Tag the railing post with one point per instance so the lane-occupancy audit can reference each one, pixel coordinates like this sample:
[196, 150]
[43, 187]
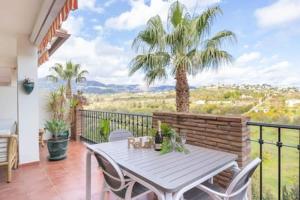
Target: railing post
[77, 124]
[261, 142]
[279, 145]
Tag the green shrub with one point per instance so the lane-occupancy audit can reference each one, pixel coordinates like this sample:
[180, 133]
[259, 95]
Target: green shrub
[56, 127]
[290, 193]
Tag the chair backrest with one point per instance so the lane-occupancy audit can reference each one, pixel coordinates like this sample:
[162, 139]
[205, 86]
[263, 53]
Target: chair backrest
[118, 135]
[241, 181]
[112, 173]
[3, 149]
[8, 127]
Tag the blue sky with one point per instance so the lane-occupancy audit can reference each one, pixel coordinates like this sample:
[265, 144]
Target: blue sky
[267, 51]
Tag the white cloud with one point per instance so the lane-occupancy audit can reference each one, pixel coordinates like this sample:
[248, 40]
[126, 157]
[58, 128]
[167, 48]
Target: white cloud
[248, 57]
[279, 13]
[140, 12]
[278, 72]
[99, 29]
[109, 3]
[73, 25]
[89, 5]
[105, 62]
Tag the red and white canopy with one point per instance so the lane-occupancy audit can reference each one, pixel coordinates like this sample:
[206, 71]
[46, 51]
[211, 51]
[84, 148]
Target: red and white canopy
[56, 25]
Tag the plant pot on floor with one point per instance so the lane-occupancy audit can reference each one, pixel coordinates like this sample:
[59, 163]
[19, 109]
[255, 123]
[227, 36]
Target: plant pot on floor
[57, 148]
[58, 145]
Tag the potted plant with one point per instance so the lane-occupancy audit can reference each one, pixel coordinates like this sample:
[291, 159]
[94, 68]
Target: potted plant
[28, 85]
[58, 144]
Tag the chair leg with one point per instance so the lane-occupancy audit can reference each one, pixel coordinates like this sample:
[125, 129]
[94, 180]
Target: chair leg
[105, 192]
[15, 165]
[8, 173]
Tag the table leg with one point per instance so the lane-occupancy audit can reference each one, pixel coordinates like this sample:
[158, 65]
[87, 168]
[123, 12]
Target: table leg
[88, 175]
[168, 196]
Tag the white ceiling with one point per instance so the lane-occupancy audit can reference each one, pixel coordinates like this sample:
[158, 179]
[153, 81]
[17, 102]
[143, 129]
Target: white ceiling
[16, 17]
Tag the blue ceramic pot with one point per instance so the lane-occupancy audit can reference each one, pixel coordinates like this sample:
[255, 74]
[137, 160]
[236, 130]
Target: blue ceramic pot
[28, 87]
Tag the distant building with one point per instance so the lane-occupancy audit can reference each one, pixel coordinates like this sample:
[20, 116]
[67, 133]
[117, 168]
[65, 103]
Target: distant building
[246, 97]
[292, 102]
[219, 102]
[200, 102]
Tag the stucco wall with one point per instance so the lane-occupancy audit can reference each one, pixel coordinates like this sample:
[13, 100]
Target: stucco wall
[44, 115]
[28, 105]
[8, 102]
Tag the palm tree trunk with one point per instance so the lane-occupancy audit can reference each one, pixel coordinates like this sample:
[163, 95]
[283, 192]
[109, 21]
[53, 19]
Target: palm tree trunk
[182, 91]
[69, 90]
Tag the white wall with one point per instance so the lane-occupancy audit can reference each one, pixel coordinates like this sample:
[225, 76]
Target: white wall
[8, 102]
[28, 105]
[8, 99]
[44, 115]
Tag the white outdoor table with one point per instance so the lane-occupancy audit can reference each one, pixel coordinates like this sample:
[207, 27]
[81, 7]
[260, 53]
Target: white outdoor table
[167, 174]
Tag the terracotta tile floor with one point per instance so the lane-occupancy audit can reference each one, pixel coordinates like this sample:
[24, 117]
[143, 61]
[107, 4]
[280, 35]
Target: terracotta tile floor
[60, 180]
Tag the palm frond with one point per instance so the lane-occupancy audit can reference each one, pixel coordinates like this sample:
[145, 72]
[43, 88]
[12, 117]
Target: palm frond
[152, 38]
[58, 70]
[81, 76]
[203, 23]
[176, 14]
[220, 38]
[52, 78]
[211, 58]
[157, 73]
[153, 64]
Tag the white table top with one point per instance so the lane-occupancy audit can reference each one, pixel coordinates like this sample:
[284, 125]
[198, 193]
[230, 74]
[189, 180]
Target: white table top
[168, 172]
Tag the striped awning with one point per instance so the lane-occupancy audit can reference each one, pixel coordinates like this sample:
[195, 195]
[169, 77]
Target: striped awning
[43, 57]
[56, 25]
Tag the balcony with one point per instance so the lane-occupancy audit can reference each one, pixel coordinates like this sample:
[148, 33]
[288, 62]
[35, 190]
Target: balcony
[66, 179]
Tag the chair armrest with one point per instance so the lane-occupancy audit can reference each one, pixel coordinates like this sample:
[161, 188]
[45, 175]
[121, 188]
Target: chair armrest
[212, 192]
[217, 195]
[8, 136]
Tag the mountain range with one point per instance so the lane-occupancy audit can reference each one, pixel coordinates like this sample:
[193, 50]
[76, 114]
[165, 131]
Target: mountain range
[95, 87]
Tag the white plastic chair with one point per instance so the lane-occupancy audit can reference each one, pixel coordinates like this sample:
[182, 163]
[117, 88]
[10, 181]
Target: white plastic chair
[118, 135]
[237, 189]
[115, 181]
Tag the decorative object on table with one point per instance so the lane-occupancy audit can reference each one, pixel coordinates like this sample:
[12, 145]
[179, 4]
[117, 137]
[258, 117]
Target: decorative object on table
[172, 141]
[58, 144]
[28, 85]
[158, 138]
[41, 137]
[145, 142]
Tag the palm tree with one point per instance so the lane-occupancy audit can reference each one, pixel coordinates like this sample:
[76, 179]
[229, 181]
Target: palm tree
[185, 50]
[68, 73]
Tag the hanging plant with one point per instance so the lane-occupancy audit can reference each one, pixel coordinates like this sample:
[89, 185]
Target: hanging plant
[28, 85]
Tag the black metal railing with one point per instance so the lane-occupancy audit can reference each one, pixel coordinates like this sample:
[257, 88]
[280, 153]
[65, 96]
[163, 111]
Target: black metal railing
[275, 139]
[138, 124]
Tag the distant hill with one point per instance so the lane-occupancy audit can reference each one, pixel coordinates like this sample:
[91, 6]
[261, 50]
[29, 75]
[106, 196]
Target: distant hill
[95, 87]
